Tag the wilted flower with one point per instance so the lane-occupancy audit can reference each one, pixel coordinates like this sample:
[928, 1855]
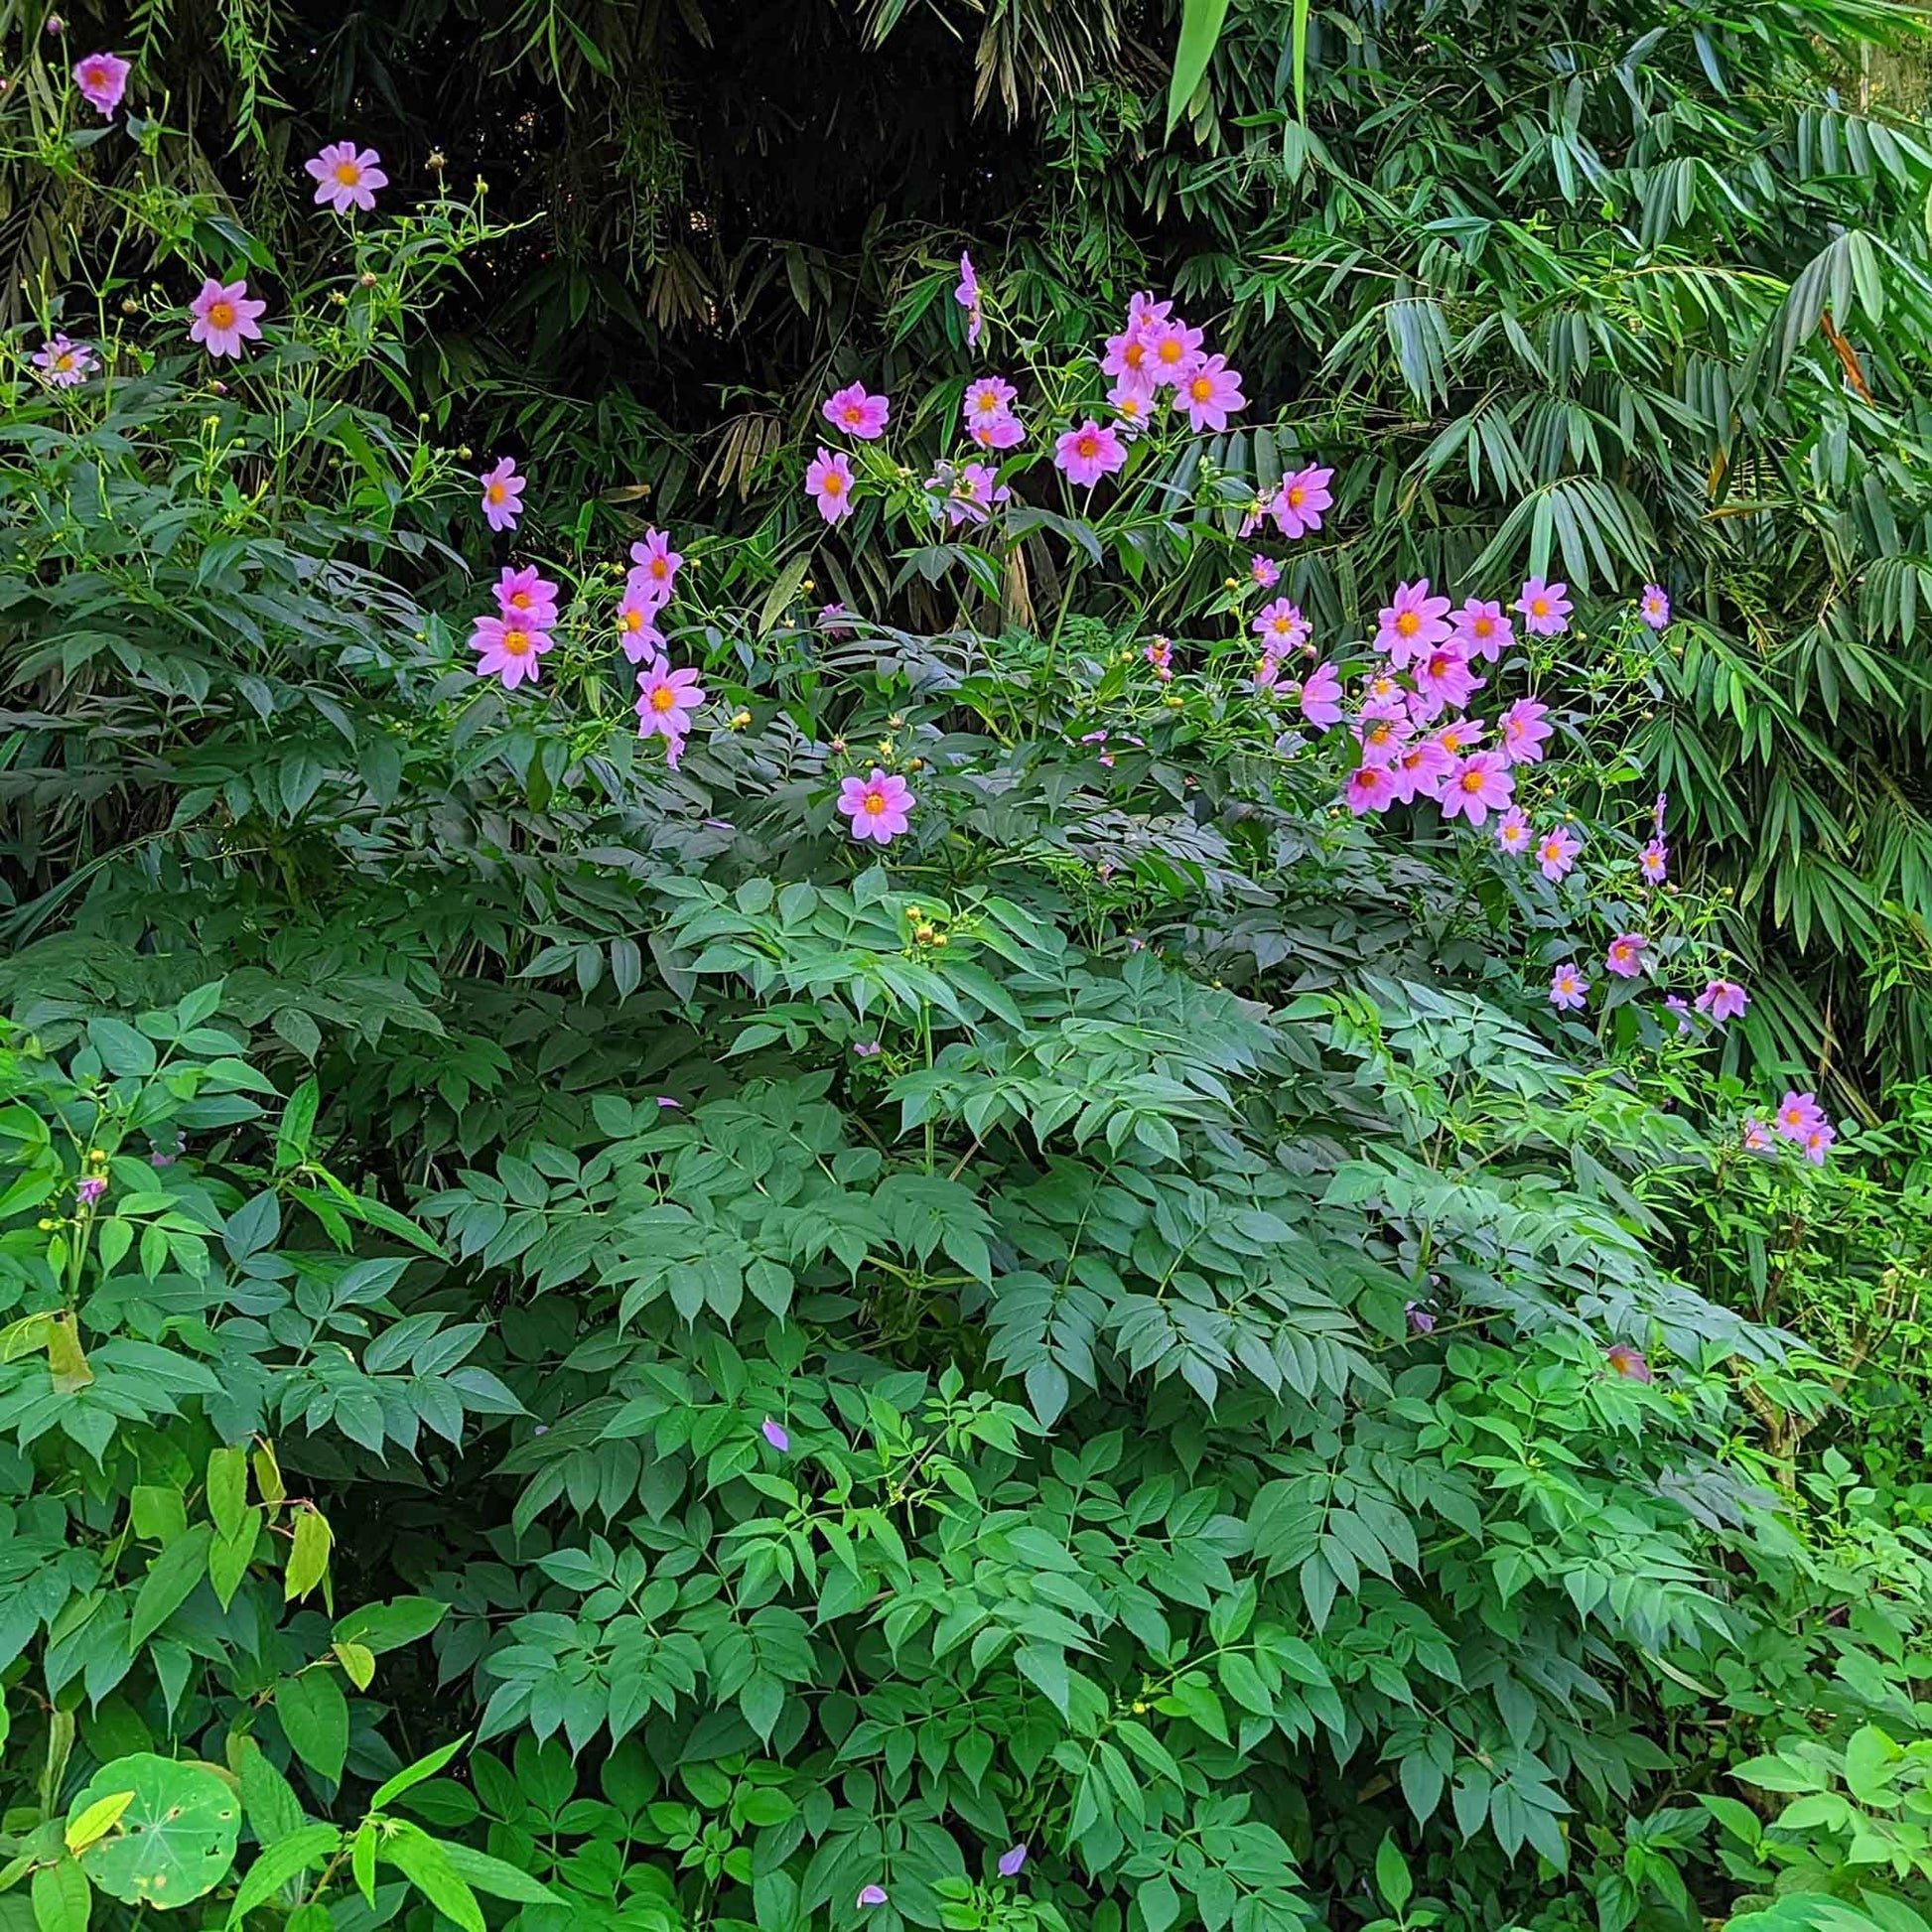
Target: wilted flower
[1569, 990]
[102, 81]
[1011, 1861]
[1088, 452]
[89, 1189]
[503, 494]
[1676, 1005]
[776, 1436]
[1410, 623]
[1625, 957]
[509, 649]
[878, 806]
[832, 619]
[1421, 1320]
[1625, 1361]
[1723, 1000]
[64, 364]
[225, 317]
[856, 413]
[828, 482]
[871, 1895]
[1556, 852]
[1545, 607]
[1265, 571]
[1653, 606]
[345, 178]
[967, 295]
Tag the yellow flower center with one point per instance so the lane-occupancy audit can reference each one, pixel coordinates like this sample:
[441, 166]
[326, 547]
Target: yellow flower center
[1539, 607]
[495, 491]
[63, 361]
[1130, 405]
[347, 173]
[1407, 624]
[517, 642]
[663, 699]
[875, 803]
[833, 483]
[660, 569]
[521, 599]
[1473, 781]
[630, 619]
[1483, 625]
[1088, 445]
[220, 315]
[854, 414]
[1295, 496]
[1201, 389]
[1134, 354]
[1170, 351]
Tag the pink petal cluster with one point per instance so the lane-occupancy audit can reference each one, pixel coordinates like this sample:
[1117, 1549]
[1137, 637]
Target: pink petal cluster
[1412, 623]
[527, 595]
[1089, 452]
[225, 317]
[1479, 784]
[855, 412]
[828, 482]
[666, 700]
[968, 493]
[1297, 506]
[508, 649]
[1264, 571]
[503, 494]
[1653, 606]
[967, 295]
[347, 177]
[1482, 630]
[1524, 731]
[1723, 1000]
[879, 807]
[1545, 607]
[655, 564]
[1627, 955]
[102, 81]
[64, 364]
[1556, 852]
[1158, 349]
[1513, 833]
[1210, 395]
[1654, 862]
[1800, 1119]
[1569, 990]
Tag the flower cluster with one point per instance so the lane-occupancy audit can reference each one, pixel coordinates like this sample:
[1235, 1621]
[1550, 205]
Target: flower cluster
[512, 639]
[1159, 350]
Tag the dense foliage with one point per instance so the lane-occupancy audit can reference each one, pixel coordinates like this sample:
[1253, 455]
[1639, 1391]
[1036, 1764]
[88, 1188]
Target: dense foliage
[976, 1280]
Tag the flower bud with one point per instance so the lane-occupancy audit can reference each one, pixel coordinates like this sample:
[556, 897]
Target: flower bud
[368, 278]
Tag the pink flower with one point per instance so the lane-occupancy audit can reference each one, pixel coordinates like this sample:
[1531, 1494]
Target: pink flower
[64, 364]
[987, 400]
[1011, 1861]
[856, 413]
[1370, 789]
[1625, 957]
[1653, 606]
[1089, 453]
[1443, 675]
[1654, 861]
[1265, 571]
[1482, 630]
[102, 81]
[1756, 1136]
[1673, 1004]
[1383, 686]
[510, 650]
[1143, 312]
[1569, 990]
[865, 1049]
[1002, 433]
[1460, 736]
[1412, 623]
[967, 295]
[89, 1189]
[1420, 770]
[1210, 395]
[828, 482]
[225, 317]
[1723, 1000]
[1481, 785]
[503, 494]
[1128, 358]
[1160, 654]
[346, 178]
[1280, 626]
[665, 701]
[1421, 1320]
[834, 619]
[1172, 350]
[1382, 735]
[970, 494]
[1545, 607]
[1556, 852]
[1513, 833]
[871, 1895]
[1524, 731]
[1798, 1115]
[641, 637]
[1133, 404]
[1322, 697]
[774, 1434]
[1817, 1143]
[1625, 1361]
[1298, 505]
[654, 566]
[877, 807]
[528, 595]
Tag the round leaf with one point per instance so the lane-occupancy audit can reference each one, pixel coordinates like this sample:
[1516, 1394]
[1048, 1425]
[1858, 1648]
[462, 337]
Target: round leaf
[175, 1841]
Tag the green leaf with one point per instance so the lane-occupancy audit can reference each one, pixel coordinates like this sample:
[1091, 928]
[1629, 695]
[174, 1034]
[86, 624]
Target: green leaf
[414, 1774]
[175, 1841]
[1200, 33]
[1392, 1878]
[492, 1875]
[171, 1578]
[388, 1626]
[314, 1720]
[298, 1852]
[63, 1900]
[227, 1490]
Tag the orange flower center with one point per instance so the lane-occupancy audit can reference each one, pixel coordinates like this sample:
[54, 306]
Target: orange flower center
[854, 414]
[1134, 354]
[63, 361]
[833, 483]
[1088, 445]
[517, 642]
[1295, 496]
[220, 315]
[1539, 607]
[663, 699]
[495, 491]
[660, 569]
[347, 173]
[630, 619]
[1169, 351]
[1201, 389]
[1407, 624]
[1473, 781]
[521, 599]
[1483, 625]
[875, 803]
